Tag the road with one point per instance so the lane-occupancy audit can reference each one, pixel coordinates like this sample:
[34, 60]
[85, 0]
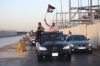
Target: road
[30, 59]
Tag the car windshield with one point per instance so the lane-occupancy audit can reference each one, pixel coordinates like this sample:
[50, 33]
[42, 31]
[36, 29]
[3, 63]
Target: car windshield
[78, 37]
[52, 37]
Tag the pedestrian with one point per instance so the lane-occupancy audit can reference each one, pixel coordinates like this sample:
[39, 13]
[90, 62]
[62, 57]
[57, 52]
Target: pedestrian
[52, 27]
[39, 32]
[31, 33]
[70, 32]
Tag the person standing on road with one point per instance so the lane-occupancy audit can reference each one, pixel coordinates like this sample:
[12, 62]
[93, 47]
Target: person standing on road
[31, 33]
[52, 27]
[70, 32]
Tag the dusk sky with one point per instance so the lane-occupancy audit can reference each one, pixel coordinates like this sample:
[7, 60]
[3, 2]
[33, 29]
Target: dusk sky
[24, 15]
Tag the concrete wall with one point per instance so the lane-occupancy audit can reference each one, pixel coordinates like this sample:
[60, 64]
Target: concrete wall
[90, 31]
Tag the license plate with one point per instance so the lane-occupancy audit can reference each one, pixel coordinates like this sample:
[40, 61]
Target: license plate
[54, 54]
[81, 47]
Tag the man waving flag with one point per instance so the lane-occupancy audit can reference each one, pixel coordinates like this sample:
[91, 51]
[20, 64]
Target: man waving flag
[50, 8]
[52, 27]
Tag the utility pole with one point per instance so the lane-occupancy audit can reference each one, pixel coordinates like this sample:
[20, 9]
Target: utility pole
[91, 10]
[70, 13]
[61, 14]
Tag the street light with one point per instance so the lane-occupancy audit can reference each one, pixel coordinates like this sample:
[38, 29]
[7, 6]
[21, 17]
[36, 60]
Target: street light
[70, 12]
[61, 13]
[61, 5]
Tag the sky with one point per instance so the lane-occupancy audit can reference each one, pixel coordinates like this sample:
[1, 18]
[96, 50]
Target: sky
[24, 15]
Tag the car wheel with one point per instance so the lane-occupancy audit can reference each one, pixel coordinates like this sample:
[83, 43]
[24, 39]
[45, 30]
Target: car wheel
[90, 51]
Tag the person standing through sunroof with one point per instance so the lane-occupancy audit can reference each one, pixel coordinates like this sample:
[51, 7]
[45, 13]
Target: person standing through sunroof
[52, 27]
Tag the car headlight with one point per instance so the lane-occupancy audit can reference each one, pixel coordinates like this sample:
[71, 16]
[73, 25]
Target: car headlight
[66, 47]
[71, 45]
[42, 48]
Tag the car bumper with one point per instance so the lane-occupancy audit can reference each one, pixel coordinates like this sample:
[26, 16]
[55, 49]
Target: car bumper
[64, 52]
[82, 49]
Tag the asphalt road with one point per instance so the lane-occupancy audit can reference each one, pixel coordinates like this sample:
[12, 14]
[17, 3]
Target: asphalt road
[78, 59]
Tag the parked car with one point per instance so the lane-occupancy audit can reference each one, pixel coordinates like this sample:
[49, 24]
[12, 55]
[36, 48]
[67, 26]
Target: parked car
[53, 44]
[79, 43]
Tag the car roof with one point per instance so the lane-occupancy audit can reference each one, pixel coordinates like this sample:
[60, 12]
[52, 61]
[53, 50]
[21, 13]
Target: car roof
[76, 35]
[52, 32]
[65, 34]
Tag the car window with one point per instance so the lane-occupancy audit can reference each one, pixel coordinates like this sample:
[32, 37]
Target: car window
[57, 37]
[77, 37]
[52, 37]
[45, 37]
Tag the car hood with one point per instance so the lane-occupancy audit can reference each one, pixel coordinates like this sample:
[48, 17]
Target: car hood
[55, 43]
[78, 42]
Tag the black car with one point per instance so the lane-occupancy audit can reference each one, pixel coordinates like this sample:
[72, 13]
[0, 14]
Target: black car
[53, 44]
[79, 43]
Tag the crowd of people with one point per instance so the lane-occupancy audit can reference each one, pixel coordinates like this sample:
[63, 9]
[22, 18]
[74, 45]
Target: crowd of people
[40, 29]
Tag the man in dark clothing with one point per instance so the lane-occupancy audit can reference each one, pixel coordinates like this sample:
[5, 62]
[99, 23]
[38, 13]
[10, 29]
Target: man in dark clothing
[39, 32]
[40, 28]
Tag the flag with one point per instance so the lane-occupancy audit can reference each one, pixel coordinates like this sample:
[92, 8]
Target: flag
[50, 8]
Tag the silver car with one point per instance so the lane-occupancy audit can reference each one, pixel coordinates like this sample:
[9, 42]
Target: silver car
[79, 43]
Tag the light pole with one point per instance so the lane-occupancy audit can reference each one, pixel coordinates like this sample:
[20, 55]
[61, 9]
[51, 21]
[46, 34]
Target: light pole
[61, 5]
[91, 10]
[70, 13]
[61, 13]
[98, 5]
